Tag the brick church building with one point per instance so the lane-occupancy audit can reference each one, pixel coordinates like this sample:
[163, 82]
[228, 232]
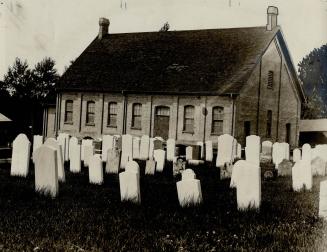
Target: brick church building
[187, 85]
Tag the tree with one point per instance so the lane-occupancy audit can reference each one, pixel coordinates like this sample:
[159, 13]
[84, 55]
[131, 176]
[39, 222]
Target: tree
[165, 27]
[313, 73]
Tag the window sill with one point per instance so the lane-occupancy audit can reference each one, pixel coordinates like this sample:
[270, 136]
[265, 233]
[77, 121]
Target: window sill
[90, 124]
[112, 126]
[188, 132]
[69, 123]
[136, 128]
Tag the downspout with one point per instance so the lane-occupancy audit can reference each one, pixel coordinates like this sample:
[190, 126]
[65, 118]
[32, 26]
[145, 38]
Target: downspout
[177, 118]
[57, 115]
[101, 129]
[233, 115]
[150, 129]
[124, 112]
[259, 93]
[205, 119]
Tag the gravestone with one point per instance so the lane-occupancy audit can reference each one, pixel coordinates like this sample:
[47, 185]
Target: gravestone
[157, 144]
[202, 149]
[188, 174]
[266, 154]
[127, 150]
[132, 166]
[252, 149]
[306, 153]
[150, 167]
[129, 183]
[170, 149]
[151, 148]
[225, 150]
[51, 142]
[75, 157]
[209, 151]
[318, 166]
[285, 168]
[248, 187]
[189, 153]
[189, 190]
[179, 165]
[95, 170]
[63, 139]
[236, 172]
[46, 170]
[159, 156]
[323, 199]
[296, 155]
[88, 153]
[320, 151]
[301, 176]
[118, 142]
[37, 142]
[278, 154]
[144, 147]
[239, 151]
[20, 158]
[85, 142]
[107, 144]
[72, 141]
[113, 161]
[136, 147]
[286, 147]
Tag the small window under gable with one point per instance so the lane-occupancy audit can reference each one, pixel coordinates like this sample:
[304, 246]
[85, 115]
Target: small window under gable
[270, 83]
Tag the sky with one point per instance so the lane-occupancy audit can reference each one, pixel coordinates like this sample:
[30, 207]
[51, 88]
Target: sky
[62, 29]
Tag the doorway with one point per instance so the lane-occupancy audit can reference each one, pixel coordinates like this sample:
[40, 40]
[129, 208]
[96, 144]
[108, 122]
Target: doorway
[161, 122]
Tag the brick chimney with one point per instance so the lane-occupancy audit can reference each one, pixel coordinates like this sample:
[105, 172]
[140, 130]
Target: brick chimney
[103, 27]
[272, 13]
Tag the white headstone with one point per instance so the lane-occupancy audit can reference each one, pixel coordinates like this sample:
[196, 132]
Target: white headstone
[248, 186]
[63, 139]
[60, 163]
[144, 147]
[323, 199]
[75, 157]
[20, 159]
[252, 149]
[170, 149]
[129, 183]
[286, 147]
[95, 170]
[189, 192]
[306, 153]
[132, 166]
[136, 147]
[85, 142]
[151, 148]
[296, 155]
[318, 166]
[107, 144]
[159, 157]
[278, 153]
[188, 174]
[320, 151]
[72, 141]
[88, 153]
[37, 142]
[236, 172]
[150, 167]
[225, 154]
[113, 161]
[127, 150]
[209, 151]
[46, 170]
[301, 176]
[189, 153]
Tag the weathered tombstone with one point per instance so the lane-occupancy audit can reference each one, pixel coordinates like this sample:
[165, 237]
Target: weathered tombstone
[129, 183]
[157, 144]
[107, 144]
[63, 139]
[278, 154]
[252, 149]
[150, 167]
[202, 149]
[266, 154]
[239, 151]
[75, 157]
[60, 163]
[46, 170]
[113, 161]
[189, 152]
[88, 153]
[189, 190]
[301, 176]
[151, 148]
[72, 141]
[285, 168]
[159, 156]
[320, 151]
[144, 147]
[37, 142]
[136, 148]
[248, 187]
[188, 174]
[318, 166]
[296, 155]
[132, 166]
[118, 142]
[236, 172]
[323, 199]
[20, 156]
[209, 151]
[306, 153]
[170, 149]
[85, 142]
[95, 170]
[225, 150]
[178, 166]
[286, 147]
[127, 150]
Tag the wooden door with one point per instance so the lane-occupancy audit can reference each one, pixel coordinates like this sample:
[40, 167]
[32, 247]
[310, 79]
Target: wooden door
[161, 122]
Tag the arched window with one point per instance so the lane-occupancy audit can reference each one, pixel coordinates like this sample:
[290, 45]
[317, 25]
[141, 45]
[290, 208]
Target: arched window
[90, 112]
[112, 114]
[137, 116]
[188, 119]
[69, 111]
[217, 126]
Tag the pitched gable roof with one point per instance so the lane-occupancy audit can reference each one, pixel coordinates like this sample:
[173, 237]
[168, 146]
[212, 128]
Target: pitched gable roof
[198, 61]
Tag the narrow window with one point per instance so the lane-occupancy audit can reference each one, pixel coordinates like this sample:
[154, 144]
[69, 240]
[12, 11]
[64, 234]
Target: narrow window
[269, 123]
[270, 83]
[112, 114]
[189, 119]
[137, 116]
[217, 120]
[288, 133]
[69, 111]
[90, 107]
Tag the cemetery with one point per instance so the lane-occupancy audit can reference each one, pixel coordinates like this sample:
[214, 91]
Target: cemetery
[136, 193]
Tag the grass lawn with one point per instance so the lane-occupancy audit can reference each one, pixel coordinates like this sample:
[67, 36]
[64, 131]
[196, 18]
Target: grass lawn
[91, 218]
